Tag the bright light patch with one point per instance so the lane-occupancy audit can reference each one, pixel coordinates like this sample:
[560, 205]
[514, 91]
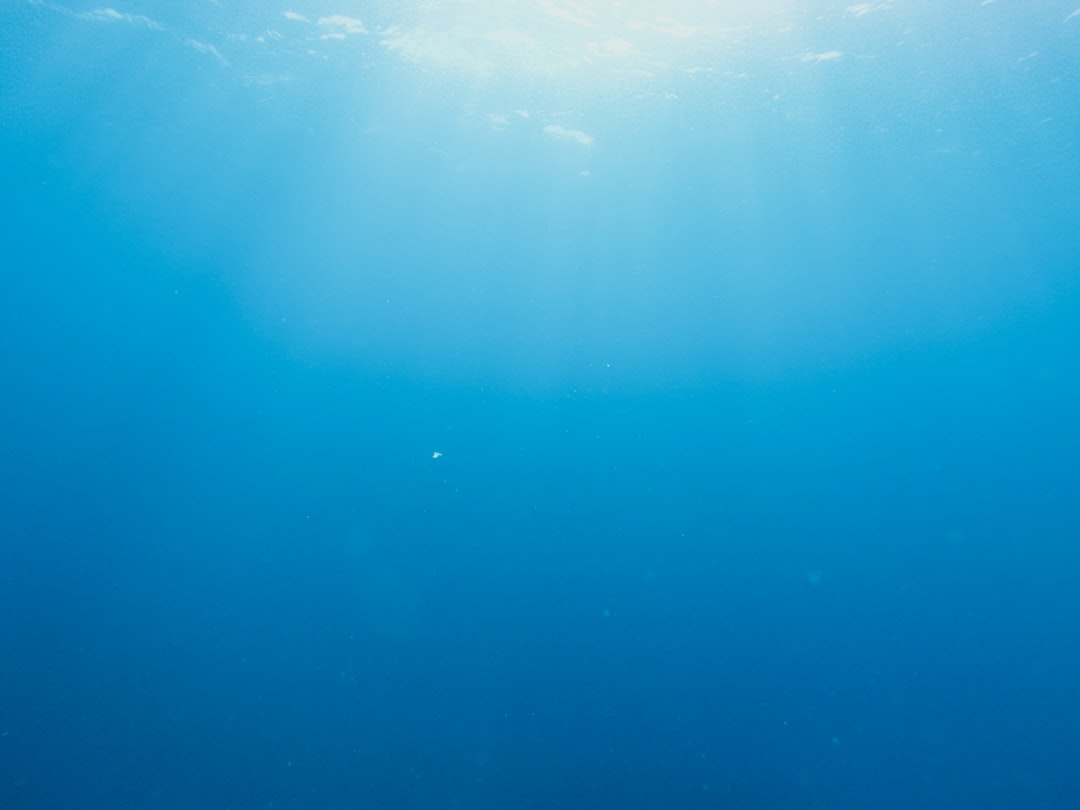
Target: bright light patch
[494, 38]
[346, 25]
[564, 134]
[826, 56]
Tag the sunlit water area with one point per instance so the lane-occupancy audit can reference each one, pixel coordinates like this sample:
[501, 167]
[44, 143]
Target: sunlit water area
[538, 191]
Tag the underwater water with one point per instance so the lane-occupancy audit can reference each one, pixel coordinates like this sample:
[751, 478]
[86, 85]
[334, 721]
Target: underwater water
[485, 405]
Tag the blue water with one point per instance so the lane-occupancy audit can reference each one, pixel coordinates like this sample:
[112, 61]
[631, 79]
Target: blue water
[540, 405]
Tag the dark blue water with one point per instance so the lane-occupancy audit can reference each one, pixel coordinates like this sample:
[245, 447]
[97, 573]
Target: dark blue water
[627, 416]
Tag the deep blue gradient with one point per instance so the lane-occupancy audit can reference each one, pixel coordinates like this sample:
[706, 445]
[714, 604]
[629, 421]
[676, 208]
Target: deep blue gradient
[755, 391]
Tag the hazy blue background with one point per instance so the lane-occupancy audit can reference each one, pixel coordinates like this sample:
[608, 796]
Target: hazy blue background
[748, 336]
